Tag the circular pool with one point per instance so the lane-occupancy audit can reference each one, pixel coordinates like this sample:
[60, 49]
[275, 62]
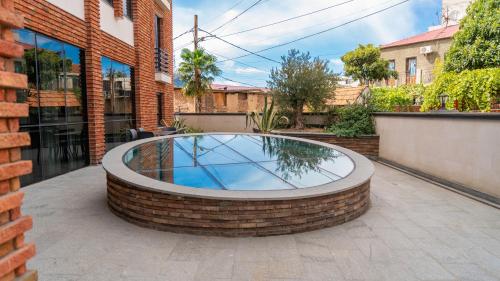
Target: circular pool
[236, 184]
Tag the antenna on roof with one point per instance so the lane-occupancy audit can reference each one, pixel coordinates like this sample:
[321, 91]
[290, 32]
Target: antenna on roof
[446, 16]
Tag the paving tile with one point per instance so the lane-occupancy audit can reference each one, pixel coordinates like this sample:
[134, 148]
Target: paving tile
[413, 231]
[469, 272]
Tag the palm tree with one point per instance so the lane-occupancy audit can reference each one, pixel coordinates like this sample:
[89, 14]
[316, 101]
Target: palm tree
[197, 70]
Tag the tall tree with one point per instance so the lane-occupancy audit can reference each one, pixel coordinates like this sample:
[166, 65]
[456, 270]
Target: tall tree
[365, 64]
[301, 81]
[477, 44]
[197, 71]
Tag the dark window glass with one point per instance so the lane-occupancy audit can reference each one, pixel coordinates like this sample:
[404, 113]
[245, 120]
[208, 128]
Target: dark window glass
[110, 2]
[75, 96]
[27, 65]
[55, 150]
[127, 8]
[57, 101]
[51, 76]
[78, 145]
[392, 65]
[118, 97]
[159, 108]
[158, 32]
[33, 153]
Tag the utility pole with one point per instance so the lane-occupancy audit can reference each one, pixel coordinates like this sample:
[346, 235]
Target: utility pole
[195, 31]
[196, 70]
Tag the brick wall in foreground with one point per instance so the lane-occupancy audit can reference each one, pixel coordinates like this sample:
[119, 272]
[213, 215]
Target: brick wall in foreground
[223, 217]
[14, 252]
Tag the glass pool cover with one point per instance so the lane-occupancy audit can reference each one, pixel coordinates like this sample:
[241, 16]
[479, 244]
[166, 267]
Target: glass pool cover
[238, 162]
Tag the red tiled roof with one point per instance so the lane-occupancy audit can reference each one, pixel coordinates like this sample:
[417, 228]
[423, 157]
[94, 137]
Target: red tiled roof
[441, 33]
[346, 96]
[230, 88]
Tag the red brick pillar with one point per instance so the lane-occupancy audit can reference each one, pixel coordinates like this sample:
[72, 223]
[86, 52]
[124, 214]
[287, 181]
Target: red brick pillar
[118, 7]
[13, 251]
[95, 98]
[169, 45]
[145, 85]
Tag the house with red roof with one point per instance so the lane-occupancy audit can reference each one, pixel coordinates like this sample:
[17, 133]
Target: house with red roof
[223, 98]
[414, 57]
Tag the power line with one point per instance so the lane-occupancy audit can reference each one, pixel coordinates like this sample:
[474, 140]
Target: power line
[236, 61]
[241, 48]
[183, 46]
[182, 34]
[237, 16]
[251, 85]
[323, 31]
[229, 9]
[286, 20]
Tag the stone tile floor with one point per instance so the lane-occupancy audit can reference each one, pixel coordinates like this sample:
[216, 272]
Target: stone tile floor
[413, 231]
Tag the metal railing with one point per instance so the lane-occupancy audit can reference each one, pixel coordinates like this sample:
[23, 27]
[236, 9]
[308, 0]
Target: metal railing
[161, 60]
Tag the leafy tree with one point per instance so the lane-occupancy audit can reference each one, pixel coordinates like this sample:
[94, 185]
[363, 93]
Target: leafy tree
[301, 81]
[365, 64]
[197, 70]
[477, 44]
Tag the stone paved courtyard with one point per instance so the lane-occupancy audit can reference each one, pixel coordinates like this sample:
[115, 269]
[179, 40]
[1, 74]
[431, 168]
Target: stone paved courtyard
[413, 231]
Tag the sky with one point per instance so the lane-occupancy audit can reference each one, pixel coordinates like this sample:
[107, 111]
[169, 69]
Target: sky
[407, 19]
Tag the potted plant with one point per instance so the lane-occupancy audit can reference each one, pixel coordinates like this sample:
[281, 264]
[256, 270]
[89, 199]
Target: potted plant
[265, 121]
[168, 127]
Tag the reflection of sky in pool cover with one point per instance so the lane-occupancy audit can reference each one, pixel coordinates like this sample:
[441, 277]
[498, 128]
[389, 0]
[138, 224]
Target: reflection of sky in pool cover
[238, 162]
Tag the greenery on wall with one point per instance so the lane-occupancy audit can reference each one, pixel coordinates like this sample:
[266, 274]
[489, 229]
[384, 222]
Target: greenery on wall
[471, 89]
[388, 99]
[353, 121]
[476, 44]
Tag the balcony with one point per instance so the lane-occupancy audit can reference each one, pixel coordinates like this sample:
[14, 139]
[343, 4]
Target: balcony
[162, 66]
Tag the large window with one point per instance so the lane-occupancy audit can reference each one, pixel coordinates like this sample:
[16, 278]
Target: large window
[159, 108]
[56, 97]
[127, 8]
[117, 79]
[411, 70]
[158, 32]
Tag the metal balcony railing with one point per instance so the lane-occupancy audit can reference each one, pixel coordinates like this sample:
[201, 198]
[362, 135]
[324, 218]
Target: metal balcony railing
[161, 60]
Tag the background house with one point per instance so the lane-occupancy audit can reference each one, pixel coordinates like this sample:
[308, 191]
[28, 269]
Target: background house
[223, 98]
[414, 57]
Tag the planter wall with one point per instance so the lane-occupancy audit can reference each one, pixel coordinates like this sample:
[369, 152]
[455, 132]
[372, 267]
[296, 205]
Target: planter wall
[366, 145]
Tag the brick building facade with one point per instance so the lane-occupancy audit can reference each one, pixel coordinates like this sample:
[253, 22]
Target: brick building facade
[108, 63]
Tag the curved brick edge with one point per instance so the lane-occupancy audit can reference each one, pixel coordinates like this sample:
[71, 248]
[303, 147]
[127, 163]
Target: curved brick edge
[366, 145]
[199, 216]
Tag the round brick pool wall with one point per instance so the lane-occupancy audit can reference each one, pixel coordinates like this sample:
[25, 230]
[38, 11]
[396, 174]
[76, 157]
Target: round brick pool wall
[163, 206]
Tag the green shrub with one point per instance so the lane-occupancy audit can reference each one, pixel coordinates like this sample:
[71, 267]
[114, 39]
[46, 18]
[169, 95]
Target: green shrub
[472, 89]
[387, 99]
[353, 121]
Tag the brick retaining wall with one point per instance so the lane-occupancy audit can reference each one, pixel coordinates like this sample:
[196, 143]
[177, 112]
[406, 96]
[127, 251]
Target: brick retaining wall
[192, 215]
[366, 145]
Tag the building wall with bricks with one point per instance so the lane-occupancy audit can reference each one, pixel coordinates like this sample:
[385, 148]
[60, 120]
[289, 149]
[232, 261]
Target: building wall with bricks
[55, 20]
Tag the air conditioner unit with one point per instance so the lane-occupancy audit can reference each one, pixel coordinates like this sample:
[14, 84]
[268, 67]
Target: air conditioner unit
[426, 50]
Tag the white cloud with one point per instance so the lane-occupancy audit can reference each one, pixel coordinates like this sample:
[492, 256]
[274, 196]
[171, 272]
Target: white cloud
[337, 65]
[248, 70]
[385, 27]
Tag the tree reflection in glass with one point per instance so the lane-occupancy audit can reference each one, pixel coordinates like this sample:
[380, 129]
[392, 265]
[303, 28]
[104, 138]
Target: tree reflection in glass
[295, 158]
